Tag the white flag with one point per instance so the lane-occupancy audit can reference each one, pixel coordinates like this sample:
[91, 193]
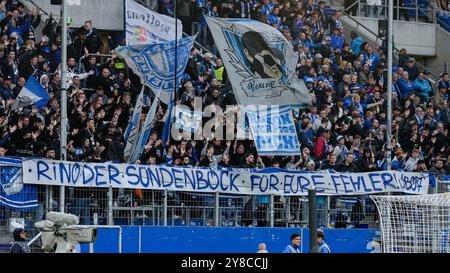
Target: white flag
[144, 26]
[260, 62]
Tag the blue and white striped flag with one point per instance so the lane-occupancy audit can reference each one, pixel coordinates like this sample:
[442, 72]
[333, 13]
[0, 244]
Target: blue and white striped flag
[155, 64]
[31, 94]
[144, 133]
[133, 128]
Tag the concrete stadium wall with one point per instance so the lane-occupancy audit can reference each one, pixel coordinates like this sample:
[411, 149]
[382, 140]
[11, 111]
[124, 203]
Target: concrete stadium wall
[224, 240]
[105, 14]
[443, 52]
[416, 37]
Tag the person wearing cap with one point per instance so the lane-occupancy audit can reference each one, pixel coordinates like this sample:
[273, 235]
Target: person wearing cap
[5, 91]
[20, 245]
[421, 166]
[412, 69]
[340, 150]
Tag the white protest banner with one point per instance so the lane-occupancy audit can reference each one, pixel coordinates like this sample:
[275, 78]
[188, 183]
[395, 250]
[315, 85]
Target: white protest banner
[230, 181]
[144, 26]
[260, 62]
[273, 130]
[186, 119]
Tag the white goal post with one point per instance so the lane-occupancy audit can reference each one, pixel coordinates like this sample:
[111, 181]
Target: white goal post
[414, 224]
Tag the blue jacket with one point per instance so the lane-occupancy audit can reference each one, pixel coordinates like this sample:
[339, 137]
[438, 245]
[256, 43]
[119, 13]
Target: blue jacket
[424, 88]
[6, 93]
[272, 19]
[337, 42]
[406, 88]
[442, 84]
[372, 61]
[356, 45]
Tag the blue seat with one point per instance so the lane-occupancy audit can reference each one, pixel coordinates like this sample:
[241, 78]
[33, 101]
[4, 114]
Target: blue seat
[121, 221]
[150, 221]
[196, 222]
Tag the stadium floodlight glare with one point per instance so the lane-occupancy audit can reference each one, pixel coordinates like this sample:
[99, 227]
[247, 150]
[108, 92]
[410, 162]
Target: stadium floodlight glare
[414, 224]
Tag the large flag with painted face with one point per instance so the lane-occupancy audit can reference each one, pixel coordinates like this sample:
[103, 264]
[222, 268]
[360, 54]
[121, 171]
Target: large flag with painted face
[260, 62]
[144, 26]
[156, 64]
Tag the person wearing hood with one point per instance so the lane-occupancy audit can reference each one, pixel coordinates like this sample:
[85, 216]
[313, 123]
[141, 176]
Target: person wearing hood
[20, 245]
[44, 81]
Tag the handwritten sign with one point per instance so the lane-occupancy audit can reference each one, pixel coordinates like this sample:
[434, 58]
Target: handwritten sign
[274, 130]
[144, 26]
[230, 181]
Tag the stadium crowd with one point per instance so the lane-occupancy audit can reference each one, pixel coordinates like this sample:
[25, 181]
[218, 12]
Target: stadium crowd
[343, 131]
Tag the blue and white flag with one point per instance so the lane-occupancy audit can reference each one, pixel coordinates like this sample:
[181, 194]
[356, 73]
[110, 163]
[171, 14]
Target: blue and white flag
[144, 133]
[260, 62]
[131, 133]
[155, 64]
[32, 94]
[186, 119]
[168, 125]
[13, 193]
[144, 26]
[274, 130]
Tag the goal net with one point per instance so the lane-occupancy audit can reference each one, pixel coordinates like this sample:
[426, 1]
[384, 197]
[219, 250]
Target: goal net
[414, 224]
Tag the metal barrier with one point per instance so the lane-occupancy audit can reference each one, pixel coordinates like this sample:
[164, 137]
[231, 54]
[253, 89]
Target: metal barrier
[414, 12]
[435, 77]
[95, 207]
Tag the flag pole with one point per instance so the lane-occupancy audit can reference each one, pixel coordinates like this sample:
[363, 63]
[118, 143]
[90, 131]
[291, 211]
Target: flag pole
[389, 86]
[176, 50]
[63, 138]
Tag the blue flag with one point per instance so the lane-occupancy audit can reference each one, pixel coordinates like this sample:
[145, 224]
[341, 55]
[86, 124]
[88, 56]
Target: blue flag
[13, 193]
[33, 93]
[168, 125]
[156, 64]
[131, 133]
[144, 133]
